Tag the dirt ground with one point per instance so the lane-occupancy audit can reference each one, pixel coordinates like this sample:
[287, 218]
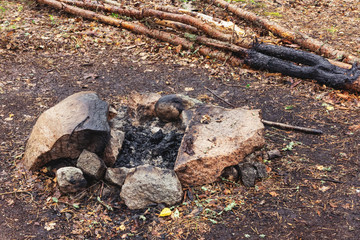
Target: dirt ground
[312, 191]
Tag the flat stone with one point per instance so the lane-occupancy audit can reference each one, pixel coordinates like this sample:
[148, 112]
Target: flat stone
[151, 185]
[217, 138]
[63, 131]
[70, 179]
[91, 165]
[113, 147]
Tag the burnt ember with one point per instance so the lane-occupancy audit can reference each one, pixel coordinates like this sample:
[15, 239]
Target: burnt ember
[142, 146]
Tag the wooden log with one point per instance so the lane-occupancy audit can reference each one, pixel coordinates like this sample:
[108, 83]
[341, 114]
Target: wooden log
[302, 39]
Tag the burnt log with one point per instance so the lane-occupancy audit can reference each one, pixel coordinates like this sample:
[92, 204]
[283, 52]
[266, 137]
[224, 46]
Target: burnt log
[301, 64]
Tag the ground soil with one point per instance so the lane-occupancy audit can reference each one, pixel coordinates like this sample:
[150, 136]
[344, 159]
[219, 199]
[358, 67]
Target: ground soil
[312, 191]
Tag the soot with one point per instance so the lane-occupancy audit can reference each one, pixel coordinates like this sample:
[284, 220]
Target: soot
[141, 146]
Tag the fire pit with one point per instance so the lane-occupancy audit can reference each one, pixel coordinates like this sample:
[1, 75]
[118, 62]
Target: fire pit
[148, 148]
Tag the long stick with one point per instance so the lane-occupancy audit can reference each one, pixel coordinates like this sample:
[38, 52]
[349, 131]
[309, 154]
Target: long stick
[292, 127]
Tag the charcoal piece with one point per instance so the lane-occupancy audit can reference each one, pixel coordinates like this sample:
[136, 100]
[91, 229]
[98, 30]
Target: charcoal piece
[141, 147]
[300, 64]
[157, 137]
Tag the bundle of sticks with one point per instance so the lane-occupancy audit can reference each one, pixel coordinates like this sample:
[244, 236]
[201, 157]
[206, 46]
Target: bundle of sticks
[224, 40]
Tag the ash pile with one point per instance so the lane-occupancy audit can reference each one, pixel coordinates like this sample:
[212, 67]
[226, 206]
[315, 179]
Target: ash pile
[153, 142]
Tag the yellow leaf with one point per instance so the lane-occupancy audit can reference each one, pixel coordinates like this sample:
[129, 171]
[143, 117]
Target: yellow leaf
[320, 167]
[274, 194]
[165, 212]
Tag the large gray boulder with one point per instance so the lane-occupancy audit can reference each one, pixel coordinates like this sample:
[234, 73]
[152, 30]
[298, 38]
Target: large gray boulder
[70, 179]
[148, 185]
[216, 138]
[63, 131]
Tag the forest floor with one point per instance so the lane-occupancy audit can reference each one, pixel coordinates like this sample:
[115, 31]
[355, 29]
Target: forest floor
[312, 191]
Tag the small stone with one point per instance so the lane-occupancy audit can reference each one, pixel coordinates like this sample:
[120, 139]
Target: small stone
[91, 165]
[260, 170]
[169, 107]
[117, 176]
[70, 179]
[113, 147]
[248, 174]
[142, 106]
[275, 153]
[151, 185]
[230, 173]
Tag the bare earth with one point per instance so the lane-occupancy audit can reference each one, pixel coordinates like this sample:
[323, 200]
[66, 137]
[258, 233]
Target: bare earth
[312, 192]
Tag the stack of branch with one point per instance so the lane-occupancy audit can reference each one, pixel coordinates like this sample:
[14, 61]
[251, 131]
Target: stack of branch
[224, 40]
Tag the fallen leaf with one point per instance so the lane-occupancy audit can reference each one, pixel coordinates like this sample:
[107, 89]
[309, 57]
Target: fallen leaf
[324, 188]
[274, 194]
[49, 226]
[354, 128]
[165, 212]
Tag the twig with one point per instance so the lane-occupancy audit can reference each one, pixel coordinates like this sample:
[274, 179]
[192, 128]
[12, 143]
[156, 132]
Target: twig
[324, 179]
[274, 124]
[21, 191]
[292, 127]
[231, 105]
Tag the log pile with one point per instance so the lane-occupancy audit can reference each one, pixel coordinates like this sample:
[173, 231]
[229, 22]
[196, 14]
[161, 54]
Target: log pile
[216, 38]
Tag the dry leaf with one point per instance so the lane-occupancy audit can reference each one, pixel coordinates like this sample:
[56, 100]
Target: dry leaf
[324, 188]
[274, 194]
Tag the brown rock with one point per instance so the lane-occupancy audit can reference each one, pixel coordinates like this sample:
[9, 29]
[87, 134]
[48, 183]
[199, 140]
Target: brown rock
[142, 106]
[63, 131]
[217, 138]
[91, 165]
[113, 147]
[169, 107]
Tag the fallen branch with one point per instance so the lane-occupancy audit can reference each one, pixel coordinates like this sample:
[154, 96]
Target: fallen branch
[287, 61]
[302, 39]
[226, 26]
[141, 29]
[220, 98]
[145, 12]
[291, 127]
[301, 64]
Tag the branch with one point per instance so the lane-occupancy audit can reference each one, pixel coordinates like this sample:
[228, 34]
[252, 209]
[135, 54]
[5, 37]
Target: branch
[141, 29]
[302, 39]
[145, 12]
[292, 127]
